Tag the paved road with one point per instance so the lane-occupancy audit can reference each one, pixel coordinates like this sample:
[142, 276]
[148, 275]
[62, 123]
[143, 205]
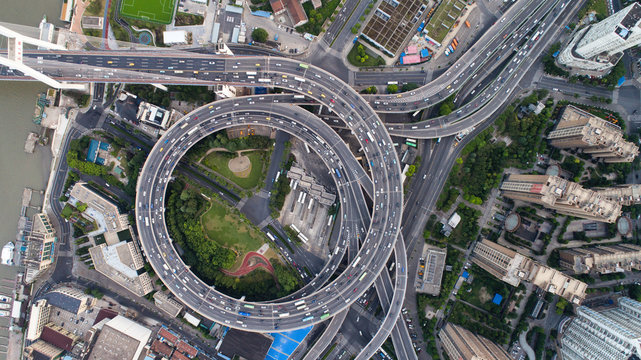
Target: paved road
[287, 315]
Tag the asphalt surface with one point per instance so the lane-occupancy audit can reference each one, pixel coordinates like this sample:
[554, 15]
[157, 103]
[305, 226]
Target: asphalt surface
[196, 78]
[285, 315]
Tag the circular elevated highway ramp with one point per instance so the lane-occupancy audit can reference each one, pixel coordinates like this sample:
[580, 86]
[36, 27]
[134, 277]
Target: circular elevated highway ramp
[287, 315]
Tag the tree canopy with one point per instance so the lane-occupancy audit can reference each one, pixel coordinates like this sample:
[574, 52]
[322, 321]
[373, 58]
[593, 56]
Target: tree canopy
[260, 35]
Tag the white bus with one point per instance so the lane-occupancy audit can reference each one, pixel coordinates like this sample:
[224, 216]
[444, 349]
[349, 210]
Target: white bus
[358, 259]
[299, 79]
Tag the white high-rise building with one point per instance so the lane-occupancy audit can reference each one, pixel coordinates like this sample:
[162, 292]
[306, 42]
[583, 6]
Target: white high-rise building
[611, 334]
[599, 47]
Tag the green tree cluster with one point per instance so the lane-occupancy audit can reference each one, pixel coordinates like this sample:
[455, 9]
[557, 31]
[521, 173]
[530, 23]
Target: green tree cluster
[409, 87]
[204, 255]
[84, 167]
[286, 278]
[362, 55]
[482, 167]
[411, 170]
[447, 106]
[392, 89]
[370, 90]
[260, 35]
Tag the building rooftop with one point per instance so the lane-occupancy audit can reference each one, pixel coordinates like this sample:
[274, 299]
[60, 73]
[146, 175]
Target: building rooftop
[167, 304]
[626, 195]
[58, 337]
[160, 348]
[99, 208]
[430, 270]
[555, 282]
[174, 37]
[599, 137]
[169, 336]
[247, 345]
[120, 339]
[120, 263]
[296, 12]
[632, 17]
[69, 301]
[186, 349]
[277, 6]
[561, 195]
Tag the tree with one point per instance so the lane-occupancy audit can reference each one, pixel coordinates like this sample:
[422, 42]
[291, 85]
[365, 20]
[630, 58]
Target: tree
[392, 88]
[260, 35]
[409, 87]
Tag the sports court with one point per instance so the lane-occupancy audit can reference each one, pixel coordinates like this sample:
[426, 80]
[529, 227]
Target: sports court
[159, 11]
[285, 343]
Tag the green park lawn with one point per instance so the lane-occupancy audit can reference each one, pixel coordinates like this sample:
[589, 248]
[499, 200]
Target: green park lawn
[483, 288]
[159, 11]
[218, 161]
[225, 226]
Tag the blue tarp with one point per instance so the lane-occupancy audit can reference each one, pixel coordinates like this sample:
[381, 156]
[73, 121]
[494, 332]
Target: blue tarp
[621, 81]
[497, 299]
[425, 53]
[465, 275]
[262, 13]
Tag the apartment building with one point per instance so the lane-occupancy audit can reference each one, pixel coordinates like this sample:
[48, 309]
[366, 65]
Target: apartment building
[600, 46]
[505, 264]
[512, 268]
[38, 317]
[40, 253]
[599, 138]
[609, 334]
[624, 194]
[561, 195]
[462, 344]
[602, 259]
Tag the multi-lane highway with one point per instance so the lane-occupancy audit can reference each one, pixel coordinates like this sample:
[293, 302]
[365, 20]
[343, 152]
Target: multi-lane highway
[514, 38]
[289, 314]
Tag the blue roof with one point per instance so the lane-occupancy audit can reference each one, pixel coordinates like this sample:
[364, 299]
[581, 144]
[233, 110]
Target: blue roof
[425, 53]
[262, 13]
[465, 275]
[621, 81]
[497, 299]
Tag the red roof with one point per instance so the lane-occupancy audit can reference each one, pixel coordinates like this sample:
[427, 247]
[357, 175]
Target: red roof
[167, 335]
[296, 12]
[185, 348]
[160, 348]
[277, 6]
[105, 314]
[536, 188]
[179, 356]
[55, 338]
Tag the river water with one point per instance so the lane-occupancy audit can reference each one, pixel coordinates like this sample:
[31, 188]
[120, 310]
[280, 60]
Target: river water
[17, 101]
